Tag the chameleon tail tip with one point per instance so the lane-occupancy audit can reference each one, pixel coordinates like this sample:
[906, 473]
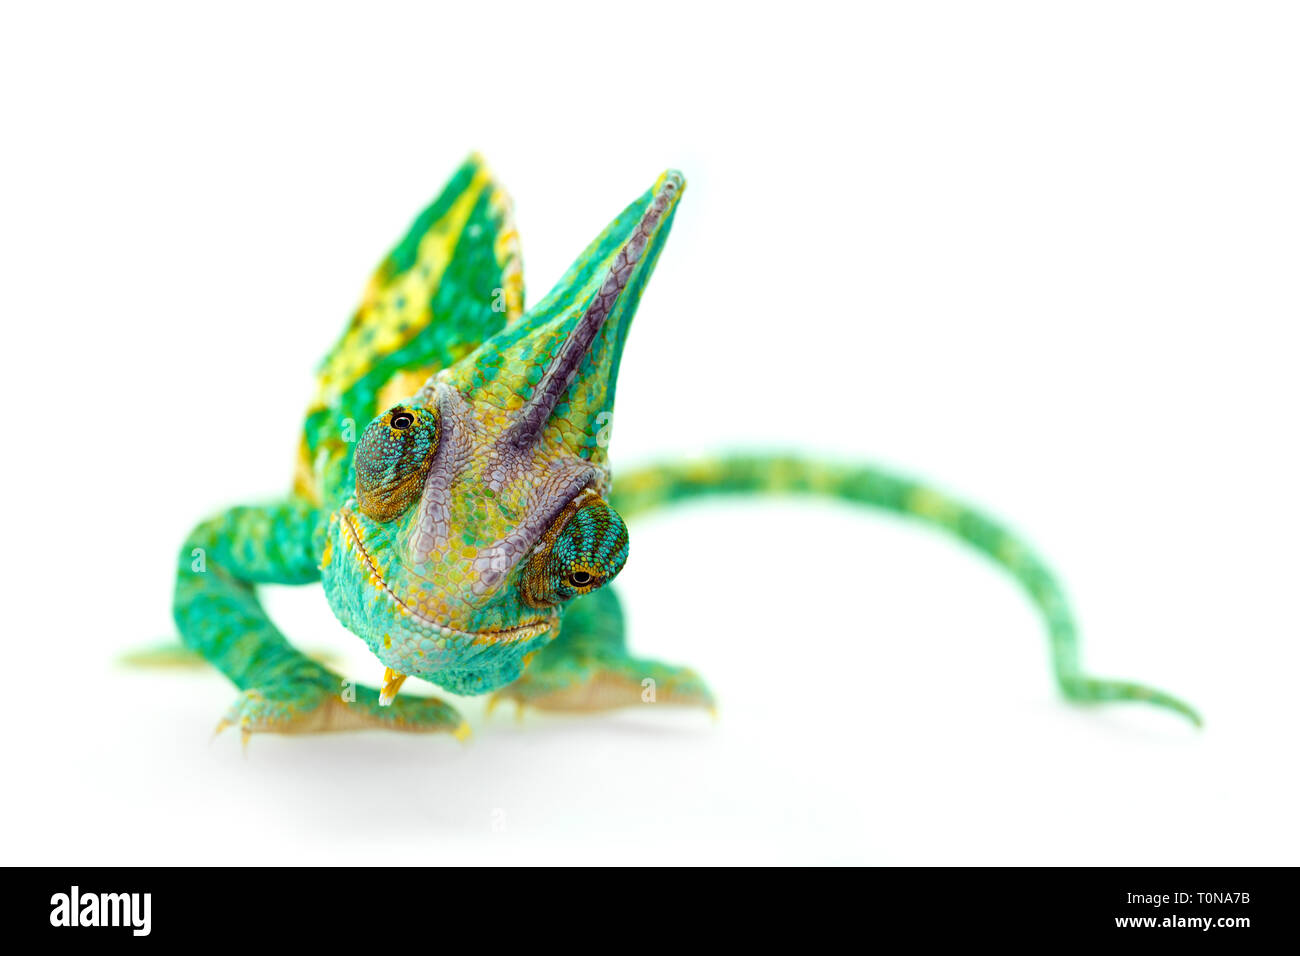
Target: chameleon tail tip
[1170, 702]
[1092, 690]
[1193, 715]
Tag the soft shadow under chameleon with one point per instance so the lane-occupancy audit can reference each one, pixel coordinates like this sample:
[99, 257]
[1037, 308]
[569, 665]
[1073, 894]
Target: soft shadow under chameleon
[453, 494]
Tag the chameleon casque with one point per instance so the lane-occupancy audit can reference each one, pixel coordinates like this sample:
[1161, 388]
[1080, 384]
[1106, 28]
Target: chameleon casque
[454, 496]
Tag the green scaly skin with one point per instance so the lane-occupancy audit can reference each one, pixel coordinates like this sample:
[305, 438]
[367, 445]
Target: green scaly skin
[454, 496]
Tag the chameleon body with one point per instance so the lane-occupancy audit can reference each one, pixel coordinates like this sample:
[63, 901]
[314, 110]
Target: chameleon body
[454, 495]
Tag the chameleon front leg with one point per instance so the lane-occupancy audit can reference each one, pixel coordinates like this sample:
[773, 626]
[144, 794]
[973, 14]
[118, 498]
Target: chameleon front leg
[219, 617]
[587, 667]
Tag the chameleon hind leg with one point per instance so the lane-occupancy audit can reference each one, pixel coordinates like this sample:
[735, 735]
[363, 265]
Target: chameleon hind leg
[219, 616]
[587, 668]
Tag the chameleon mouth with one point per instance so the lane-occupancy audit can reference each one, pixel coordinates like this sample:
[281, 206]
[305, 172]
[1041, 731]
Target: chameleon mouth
[506, 635]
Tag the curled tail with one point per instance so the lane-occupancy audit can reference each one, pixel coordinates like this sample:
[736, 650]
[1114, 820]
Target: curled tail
[648, 488]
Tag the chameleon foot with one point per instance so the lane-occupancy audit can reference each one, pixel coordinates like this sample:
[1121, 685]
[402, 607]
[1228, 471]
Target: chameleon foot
[317, 710]
[577, 685]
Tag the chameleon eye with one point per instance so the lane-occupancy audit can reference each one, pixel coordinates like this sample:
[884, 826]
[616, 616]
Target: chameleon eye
[392, 460]
[584, 548]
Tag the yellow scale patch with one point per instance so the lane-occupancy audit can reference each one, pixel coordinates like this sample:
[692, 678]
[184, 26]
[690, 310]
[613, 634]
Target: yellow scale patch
[930, 504]
[390, 325]
[506, 249]
[305, 484]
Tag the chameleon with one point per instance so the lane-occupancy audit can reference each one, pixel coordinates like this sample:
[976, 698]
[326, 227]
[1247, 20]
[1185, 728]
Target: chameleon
[453, 494]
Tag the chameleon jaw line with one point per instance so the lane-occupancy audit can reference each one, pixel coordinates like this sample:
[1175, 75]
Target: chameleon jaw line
[520, 632]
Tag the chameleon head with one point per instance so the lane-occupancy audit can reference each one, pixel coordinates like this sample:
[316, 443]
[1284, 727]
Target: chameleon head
[478, 507]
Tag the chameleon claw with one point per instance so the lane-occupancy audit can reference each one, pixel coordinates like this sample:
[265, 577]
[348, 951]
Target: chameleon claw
[462, 732]
[392, 684]
[495, 700]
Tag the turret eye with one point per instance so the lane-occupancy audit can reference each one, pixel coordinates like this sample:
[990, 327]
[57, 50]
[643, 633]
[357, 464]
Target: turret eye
[392, 459]
[584, 549]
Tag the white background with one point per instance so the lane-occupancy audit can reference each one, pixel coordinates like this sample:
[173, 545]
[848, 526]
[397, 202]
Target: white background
[1043, 255]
